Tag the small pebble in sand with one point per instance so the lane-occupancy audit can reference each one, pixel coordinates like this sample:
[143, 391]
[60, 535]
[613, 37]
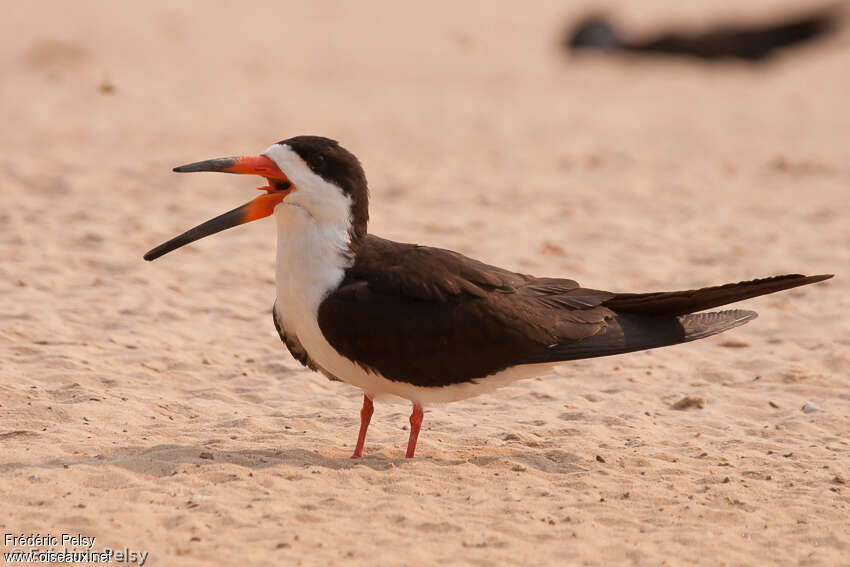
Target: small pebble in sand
[600, 459]
[810, 407]
[689, 402]
[552, 249]
[206, 455]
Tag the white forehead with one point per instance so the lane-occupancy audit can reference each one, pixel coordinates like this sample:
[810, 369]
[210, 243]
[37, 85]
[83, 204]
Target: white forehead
[323, 199]
[290, 162]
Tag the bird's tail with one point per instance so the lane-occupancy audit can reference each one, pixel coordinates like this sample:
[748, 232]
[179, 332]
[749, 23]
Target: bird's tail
[651, 320]
[629, 333]
[701, 325]
[674, 303]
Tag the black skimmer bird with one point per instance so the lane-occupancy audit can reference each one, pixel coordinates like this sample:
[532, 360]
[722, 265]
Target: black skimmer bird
[426, 324]
[755, 42]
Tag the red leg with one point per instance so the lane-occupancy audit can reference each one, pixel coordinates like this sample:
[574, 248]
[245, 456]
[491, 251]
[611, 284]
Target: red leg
[365, 417]
[415, 424]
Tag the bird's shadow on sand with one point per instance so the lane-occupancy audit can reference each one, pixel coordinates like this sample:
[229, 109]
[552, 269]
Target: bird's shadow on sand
[166, 460]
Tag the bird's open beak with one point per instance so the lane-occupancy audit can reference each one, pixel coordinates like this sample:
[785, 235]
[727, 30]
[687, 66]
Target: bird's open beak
[279, 187]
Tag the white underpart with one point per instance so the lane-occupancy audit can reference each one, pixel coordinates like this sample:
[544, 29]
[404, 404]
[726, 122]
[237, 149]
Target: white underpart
[312, 243]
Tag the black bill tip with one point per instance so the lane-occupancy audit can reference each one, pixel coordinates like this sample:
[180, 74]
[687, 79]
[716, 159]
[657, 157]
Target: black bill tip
[217, 164]
[152, 255]
[222, 222]
[167, 247]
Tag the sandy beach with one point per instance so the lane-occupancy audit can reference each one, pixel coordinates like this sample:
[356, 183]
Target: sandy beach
[152, 406]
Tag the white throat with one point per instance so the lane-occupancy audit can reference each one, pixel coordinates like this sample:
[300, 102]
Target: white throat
[311, 259]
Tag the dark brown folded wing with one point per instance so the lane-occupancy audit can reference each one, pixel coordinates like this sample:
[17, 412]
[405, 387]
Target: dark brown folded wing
[433, 317]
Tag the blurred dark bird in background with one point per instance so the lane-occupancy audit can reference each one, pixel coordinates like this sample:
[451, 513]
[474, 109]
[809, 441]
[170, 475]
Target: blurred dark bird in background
[753, 42]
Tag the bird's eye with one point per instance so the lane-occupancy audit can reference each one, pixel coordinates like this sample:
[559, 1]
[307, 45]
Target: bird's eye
[281, 185]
